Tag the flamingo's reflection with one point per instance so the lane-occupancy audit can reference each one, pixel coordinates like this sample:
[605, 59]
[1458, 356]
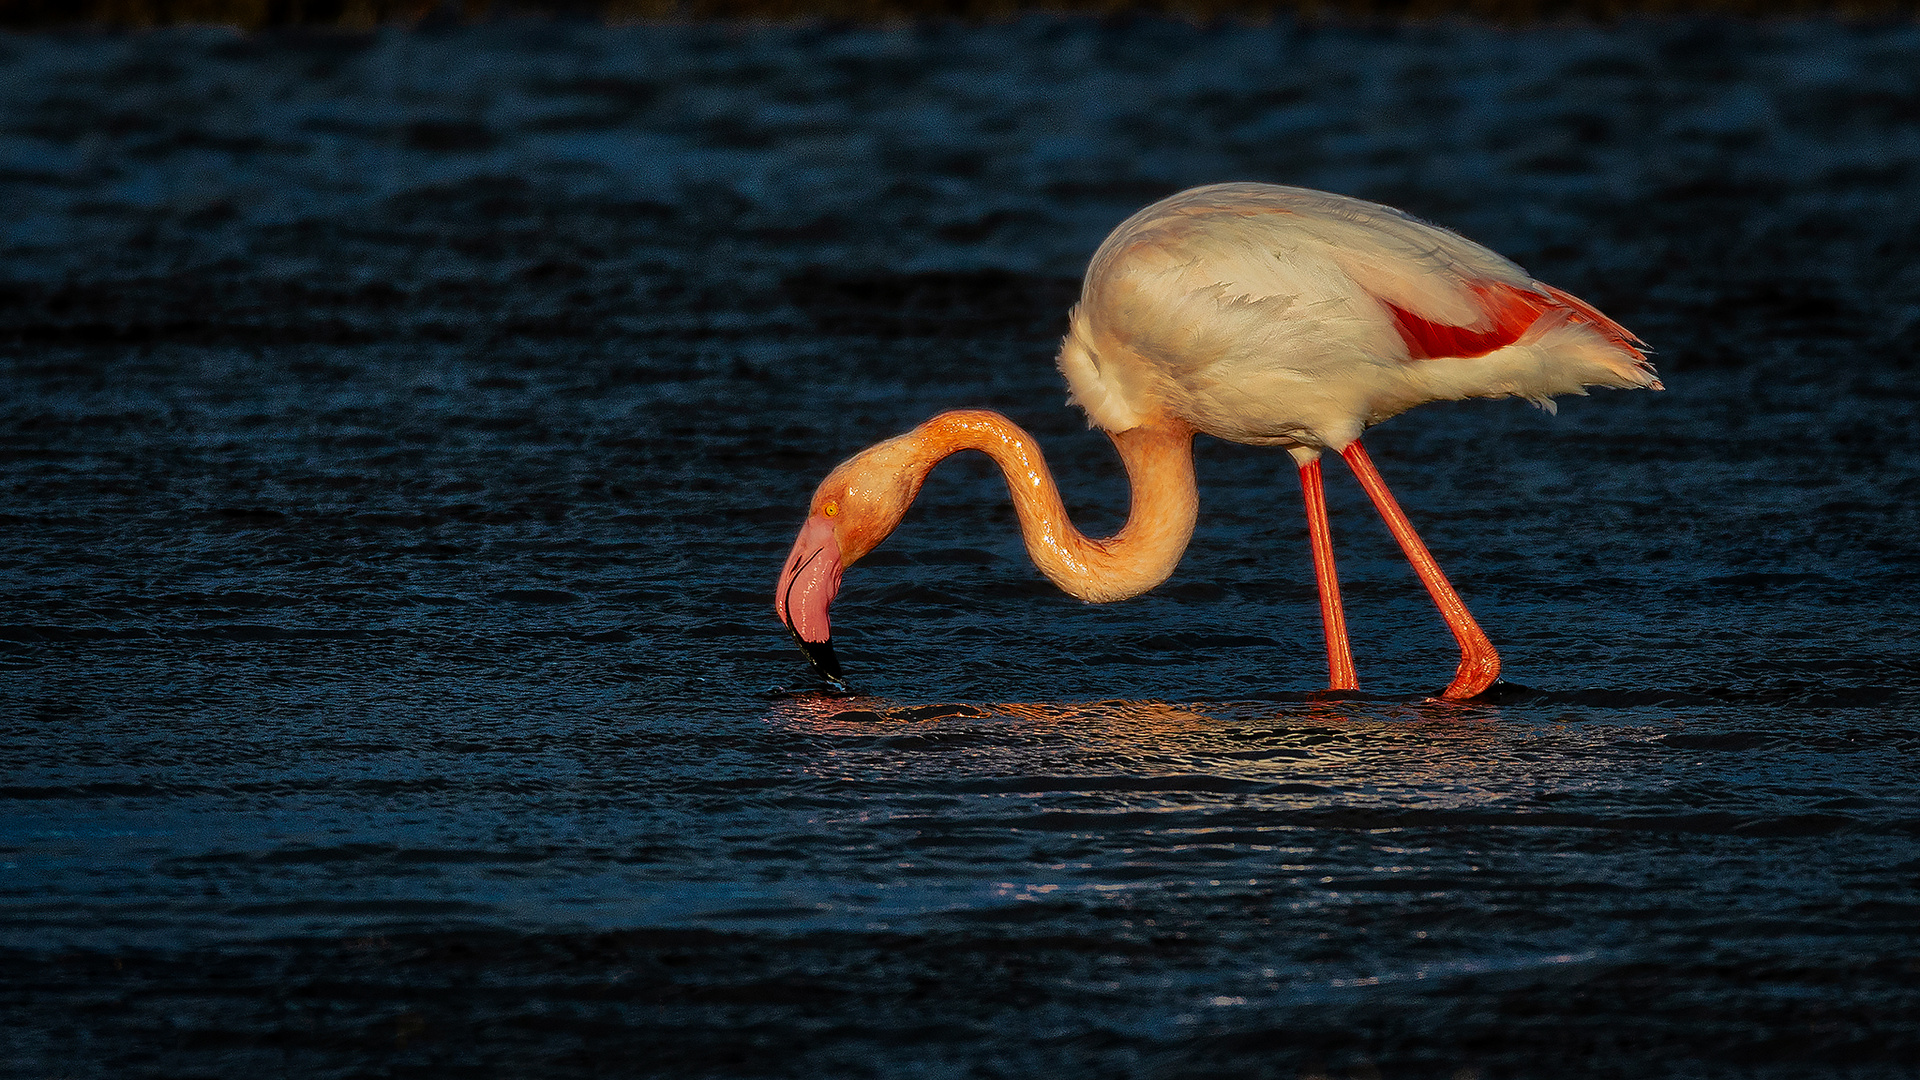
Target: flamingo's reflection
[1319, 748]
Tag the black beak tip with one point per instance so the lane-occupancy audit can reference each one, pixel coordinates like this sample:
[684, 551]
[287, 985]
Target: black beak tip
[820, 655]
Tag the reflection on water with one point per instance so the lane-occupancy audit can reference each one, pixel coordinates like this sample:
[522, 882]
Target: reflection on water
[1244, 758]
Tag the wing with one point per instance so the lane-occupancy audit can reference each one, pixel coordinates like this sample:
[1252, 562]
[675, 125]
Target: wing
[1229, 301]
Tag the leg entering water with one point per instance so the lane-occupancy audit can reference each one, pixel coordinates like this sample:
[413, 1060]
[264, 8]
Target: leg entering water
[1479, 663]
[1340, 673]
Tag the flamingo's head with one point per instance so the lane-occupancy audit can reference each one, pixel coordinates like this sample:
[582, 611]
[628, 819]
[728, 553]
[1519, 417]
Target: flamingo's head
[853, 509]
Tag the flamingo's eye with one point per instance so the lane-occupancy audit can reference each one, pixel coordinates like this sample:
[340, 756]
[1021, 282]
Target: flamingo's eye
[831, 508]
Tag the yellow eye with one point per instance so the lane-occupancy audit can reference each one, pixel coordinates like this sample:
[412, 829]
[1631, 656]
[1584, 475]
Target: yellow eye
[831, 508]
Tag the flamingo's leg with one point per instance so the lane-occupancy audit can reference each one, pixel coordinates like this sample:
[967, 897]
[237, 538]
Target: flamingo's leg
[1340, 673]
[1479, 663]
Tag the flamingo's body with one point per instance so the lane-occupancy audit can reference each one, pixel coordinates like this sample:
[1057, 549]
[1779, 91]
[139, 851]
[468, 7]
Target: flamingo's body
[1259, 314]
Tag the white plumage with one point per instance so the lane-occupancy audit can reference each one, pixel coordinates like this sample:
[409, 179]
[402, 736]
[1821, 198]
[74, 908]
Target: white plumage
[1265, 314]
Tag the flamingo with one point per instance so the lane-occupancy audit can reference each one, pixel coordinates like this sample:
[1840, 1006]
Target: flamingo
[1261, 314]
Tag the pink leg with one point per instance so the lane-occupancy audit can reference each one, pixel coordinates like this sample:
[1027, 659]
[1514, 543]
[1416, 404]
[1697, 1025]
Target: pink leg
[1340, 673]
[1479, 663]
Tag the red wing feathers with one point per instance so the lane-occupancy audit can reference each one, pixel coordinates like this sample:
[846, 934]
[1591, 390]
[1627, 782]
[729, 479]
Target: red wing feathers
[1507, 311]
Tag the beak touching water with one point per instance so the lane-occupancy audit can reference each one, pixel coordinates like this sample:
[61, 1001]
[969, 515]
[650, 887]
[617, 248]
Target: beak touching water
[808, 584]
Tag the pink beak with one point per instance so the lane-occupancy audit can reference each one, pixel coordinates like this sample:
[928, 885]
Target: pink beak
[807, 587]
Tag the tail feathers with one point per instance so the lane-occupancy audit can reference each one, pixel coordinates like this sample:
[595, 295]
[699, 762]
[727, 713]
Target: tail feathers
[1613, 331]
[1572, 353]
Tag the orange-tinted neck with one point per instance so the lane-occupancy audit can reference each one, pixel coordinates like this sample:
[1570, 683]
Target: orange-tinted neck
[1165, 501]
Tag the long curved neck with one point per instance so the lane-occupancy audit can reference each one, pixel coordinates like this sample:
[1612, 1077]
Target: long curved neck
[1166, 502]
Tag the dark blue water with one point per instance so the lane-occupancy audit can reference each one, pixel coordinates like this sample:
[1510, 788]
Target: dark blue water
[401, 434]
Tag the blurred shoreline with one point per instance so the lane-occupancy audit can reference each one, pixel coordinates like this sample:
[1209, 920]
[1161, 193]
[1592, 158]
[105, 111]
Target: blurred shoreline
[368, 14]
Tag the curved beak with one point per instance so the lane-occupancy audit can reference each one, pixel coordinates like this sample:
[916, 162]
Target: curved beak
[808, 584]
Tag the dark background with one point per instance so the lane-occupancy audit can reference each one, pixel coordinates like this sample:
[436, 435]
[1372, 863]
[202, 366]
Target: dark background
[361, 15]
[402, 429]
